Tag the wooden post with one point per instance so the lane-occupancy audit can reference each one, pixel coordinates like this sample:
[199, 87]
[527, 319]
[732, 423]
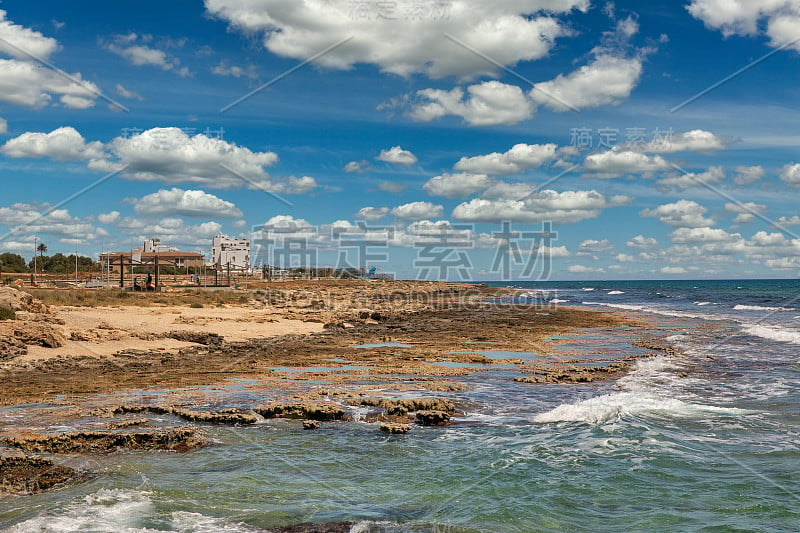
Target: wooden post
[122, 271]
[157, 269]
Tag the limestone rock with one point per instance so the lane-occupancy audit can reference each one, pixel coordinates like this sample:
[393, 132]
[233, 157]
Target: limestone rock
[16, 300]
[175, 439]
[197, 337]
[433, 418]
[34, 333]
[11, 347]
[29, 475]
[310, 424]
[395, 429]
[324, 411]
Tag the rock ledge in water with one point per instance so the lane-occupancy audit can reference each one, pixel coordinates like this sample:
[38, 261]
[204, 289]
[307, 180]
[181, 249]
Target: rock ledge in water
[323, 411]
[30, 475]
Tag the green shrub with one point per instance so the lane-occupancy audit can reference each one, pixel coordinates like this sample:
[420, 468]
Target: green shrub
[7, 314]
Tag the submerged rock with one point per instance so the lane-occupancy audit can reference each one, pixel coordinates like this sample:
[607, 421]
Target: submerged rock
[29, 475]
[310, 424]
[174, 439]
[223, 416]
[336, 527]
[433, 418]
[324, 411]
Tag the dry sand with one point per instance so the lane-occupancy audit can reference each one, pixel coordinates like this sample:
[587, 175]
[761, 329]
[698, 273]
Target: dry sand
[108, 330]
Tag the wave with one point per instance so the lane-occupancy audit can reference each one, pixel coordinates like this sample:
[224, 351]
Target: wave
[612, 407]
[558, 301]
[704, 303]
[615, 292]
[587, 289]
[761, 308]
[772, 333]
[124, 511]
[656, 311]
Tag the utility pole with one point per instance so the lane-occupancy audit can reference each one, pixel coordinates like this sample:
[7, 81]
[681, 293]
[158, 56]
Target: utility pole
[34, 260]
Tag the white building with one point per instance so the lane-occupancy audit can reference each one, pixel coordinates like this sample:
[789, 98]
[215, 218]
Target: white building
[225, 250]
[154, 246]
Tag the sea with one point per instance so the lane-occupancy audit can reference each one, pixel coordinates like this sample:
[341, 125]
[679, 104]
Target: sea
[706, 439]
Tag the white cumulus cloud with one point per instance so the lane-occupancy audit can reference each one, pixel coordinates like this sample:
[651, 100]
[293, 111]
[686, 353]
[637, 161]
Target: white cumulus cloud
[179, 202]
[791, 174]
[418, 211]
[490, 103]
[32, 85]
[62, 144]
[565, 207]
[519, 158]
[397, 156]
[690, 141]
[456, 185]
[617, 162]
[371, 214]
[382, 33]
[680, 214]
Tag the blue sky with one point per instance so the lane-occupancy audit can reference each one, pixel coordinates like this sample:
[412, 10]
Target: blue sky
[422, 119]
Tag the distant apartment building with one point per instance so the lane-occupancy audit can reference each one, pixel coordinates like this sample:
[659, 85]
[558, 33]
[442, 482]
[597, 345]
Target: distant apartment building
[229, 251]
[154, 246]
[148, 254]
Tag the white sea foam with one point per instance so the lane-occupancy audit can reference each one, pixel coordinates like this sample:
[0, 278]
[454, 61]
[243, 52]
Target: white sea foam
[773, 333]
[105, 510]
[122, 511]
[615, 292]
[761, 308]
[185, 522]
[611, 407]
[558, 301]
[703, 303]
[587, 289]
[664, 312]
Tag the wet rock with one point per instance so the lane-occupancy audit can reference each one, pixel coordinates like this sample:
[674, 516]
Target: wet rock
[174, 439]
[323, 411]
[225, 416]
[154, 409]
[310, 424]
[402, 406]
[140, 422]
[336, 527]
[29, 475]
[433, 418]
[395, 429]
[197, 337]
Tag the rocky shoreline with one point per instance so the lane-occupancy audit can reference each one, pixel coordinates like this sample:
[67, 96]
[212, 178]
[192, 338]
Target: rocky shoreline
[406, 336]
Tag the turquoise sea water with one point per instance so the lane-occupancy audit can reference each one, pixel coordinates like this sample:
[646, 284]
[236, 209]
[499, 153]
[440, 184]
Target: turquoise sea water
[716, 450]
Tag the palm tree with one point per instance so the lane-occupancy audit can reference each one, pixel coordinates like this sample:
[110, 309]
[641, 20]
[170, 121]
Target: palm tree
[42, 248]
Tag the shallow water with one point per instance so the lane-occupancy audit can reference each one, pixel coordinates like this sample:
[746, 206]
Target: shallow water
[717, 450]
